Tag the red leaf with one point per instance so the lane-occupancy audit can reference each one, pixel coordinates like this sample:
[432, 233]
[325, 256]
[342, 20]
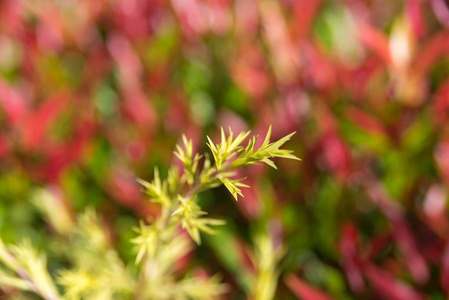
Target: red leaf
[404, 239]
[250, 205]
[192, 17]
[303, 290]
[337, 155]
[441, 104]
[128, 62]
[249, 71]
[304, 11]
[348, 249]
[434, 211]
[365, 121]
[387, 286]
[11, 17]
[246, 256]
[4, 148]
[441, 11]
[127, 191]
[246, 18]
[13, 102]
[139, 110]
[320, 71]
[444, 279]
[436, 46]
[34, 127]
[375, 40]
[415, 15]
[442, 158]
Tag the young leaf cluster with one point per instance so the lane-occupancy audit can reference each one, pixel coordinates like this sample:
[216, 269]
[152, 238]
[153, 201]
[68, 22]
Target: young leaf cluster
[230, 155]
[178, 197]
[180, 201]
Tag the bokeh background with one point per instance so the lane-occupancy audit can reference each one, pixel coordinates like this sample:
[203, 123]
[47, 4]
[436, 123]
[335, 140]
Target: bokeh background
[96, 93]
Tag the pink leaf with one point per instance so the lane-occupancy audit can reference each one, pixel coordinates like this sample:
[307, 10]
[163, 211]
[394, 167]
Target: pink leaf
[375, 40]
[348, 249]
[444, 279]
[387, 286]
[415, 15]
[13, 102]
[33, 129]
[303, 290]
[404, 239]
[304, 11]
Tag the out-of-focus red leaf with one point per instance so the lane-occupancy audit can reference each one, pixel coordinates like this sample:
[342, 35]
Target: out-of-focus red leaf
[136, 149]
[177, 113]
[403, 237]
[250, 71]
[49, 30]
[129, 189]
[348, 251]
[337, 155]
[220, 19]
[285, 61]
[127, 60]
[387, 286]
[319, 71]
[434, 210]
[378, 243]
[375, 40]
[436, 46]
[365, 121]
[4, 147]
[11, 17]
[246, 256]
[251, 203]
[158, 77]
[13, 102]
[413, 259]
[304, 12]
[99, 64]
[441, 10]
[35, 125]
[335, 152]
[414, 12]
[136, 106]
[132, 17]
[288, 112]
[184, 262]
[303, 290]
[124, 188]
[139, 110]
[441, 155]
[364, 73]
[228, 119]
[246, 18]
[444, 279]
[192, 16]
[435, 201]
[441, 104]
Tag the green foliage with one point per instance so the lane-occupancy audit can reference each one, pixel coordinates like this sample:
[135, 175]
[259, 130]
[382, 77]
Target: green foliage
[266, 260]
[26, 270]
[96, 269]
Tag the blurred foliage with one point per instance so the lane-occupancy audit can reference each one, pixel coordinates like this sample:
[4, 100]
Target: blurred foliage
[94, 94]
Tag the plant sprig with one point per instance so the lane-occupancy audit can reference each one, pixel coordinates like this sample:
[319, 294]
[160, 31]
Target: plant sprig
[97, 272]
[228, 155]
